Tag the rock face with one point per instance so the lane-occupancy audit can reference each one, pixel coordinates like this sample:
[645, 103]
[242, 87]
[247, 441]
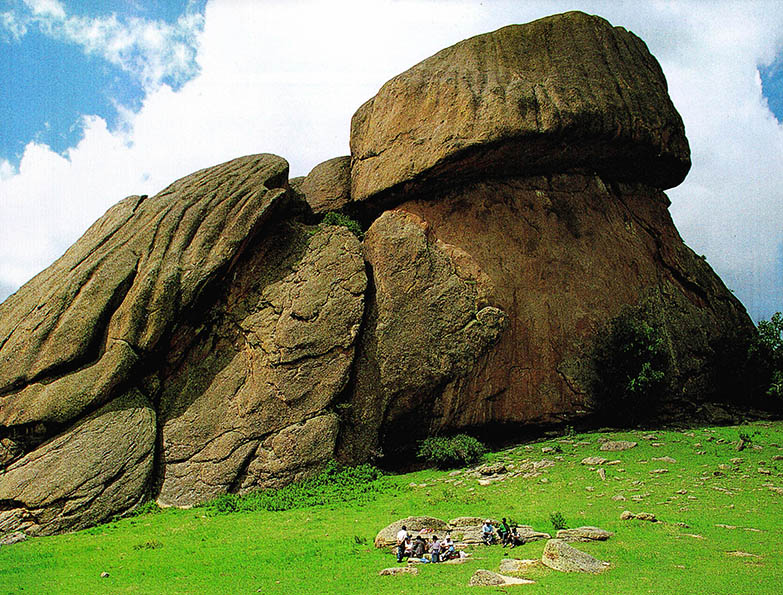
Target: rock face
[564, 92]
[214, 338]
[98, 468]
[428, 324]
[244, 395]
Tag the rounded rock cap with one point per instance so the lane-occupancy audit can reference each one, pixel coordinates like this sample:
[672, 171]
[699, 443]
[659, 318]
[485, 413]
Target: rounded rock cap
[566, 92]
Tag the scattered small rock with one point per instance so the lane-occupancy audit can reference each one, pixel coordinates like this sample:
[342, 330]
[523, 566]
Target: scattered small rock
[649, 437]
[765, 471]
[487, 578]
[740, 554]
[616, 445]
[399, 570]
[665, 459]
[514, 565]
[658, 471]
[627, 515]
[104, 574]
[593, 461]
[583, 534]
[619, 498]
[602, 474]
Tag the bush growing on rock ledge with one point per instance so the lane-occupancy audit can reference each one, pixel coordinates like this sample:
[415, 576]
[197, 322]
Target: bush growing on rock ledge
[454, 451]
[334, 218]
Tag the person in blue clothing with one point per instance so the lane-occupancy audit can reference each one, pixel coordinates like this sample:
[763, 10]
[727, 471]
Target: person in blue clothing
[487, 532]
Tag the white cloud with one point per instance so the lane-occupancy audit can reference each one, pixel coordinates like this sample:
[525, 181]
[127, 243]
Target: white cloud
[153, 51]
[46, 8]
[286, 77]
[12, 25]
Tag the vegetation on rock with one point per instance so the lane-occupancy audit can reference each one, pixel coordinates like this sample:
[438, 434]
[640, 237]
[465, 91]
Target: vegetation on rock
[334, 218]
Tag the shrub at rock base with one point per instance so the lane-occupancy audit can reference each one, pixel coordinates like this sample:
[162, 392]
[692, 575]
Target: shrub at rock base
[453, 451]
[630, 362]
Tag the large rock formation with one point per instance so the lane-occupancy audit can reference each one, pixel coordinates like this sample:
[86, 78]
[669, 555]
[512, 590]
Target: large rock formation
[214, 338]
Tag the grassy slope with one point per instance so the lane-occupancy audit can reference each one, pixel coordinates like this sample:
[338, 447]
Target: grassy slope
[317, 550]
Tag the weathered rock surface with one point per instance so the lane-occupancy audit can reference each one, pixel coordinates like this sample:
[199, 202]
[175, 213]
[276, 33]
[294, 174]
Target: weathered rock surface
[246, 404]
[77, 419]
[584, 534]
[558, 555]
[561, 93]
[328, 186]
[561, 256]
[429, 323]
[96, 469]
[75, 332]
[487, 578]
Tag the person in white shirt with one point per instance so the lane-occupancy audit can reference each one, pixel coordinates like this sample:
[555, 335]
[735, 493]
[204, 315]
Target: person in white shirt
[448, 546]
[402, 535]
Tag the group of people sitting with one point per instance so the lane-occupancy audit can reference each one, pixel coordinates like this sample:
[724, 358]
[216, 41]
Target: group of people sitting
[440, 550]
[505, 534]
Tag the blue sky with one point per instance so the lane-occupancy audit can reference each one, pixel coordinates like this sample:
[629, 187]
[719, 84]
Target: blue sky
[56, 77]
[101, 99]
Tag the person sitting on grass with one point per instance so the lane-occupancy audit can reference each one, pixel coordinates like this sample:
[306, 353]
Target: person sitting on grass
[487, 532]
[514, 538]
[435, 548]
[504, 532]
[402, 535]
[419, 547]
[449, 550]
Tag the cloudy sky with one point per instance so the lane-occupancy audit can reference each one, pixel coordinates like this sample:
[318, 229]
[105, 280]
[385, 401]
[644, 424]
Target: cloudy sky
[100, 99]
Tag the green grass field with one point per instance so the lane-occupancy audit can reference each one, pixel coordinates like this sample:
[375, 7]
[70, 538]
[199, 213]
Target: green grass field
[721, 528]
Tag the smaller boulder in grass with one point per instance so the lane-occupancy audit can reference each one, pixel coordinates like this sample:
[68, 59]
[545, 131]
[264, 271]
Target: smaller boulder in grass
[584, 534]
[487, 578]
[617, 445]
[399, 570]
[627, 515]
[514, 565]
[593, 461]
[558, 555]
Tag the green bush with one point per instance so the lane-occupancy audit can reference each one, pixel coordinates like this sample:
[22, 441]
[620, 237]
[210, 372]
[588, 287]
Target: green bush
[334, 484]
[454, 451]
[334, 218]
[558, 520]
[767, 349]
[630, 362]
